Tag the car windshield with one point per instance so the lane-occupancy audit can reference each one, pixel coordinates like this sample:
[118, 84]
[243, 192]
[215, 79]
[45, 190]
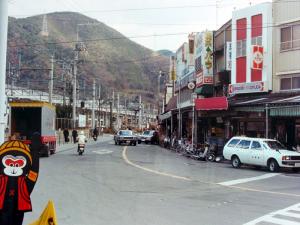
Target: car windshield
[125, 132]
[148, 132]
[275, 145]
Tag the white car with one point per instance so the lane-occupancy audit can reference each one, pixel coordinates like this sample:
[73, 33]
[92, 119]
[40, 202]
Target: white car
[260, 152]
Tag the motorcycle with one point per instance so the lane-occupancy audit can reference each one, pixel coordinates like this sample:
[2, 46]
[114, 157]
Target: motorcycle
[81, 148]
[95, 137]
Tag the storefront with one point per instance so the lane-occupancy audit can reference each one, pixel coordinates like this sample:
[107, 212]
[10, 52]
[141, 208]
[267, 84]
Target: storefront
[212, 120]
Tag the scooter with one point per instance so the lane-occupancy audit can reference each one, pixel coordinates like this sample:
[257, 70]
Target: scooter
[81, 148]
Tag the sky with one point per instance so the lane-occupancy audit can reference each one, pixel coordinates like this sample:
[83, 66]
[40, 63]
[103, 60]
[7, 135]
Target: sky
[165, 23]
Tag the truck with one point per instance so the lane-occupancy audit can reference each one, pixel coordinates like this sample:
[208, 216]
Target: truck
[27, 117]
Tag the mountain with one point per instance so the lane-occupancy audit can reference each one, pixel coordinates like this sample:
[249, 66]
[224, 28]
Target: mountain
[107, 56]
[165, 52]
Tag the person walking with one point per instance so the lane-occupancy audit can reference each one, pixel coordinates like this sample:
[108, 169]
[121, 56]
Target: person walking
[95, 133]
[74, 135]
[66, 135]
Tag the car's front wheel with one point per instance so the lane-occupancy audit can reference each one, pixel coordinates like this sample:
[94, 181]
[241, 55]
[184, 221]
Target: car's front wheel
[235, 162]
[273, 166]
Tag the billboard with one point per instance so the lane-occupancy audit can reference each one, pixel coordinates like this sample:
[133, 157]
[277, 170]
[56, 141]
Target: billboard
[204, 58]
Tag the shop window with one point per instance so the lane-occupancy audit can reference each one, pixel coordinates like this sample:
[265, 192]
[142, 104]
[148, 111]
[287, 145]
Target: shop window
[256, 145]
[233, 143]
[290, 37]
[244, 144]
[285, 84]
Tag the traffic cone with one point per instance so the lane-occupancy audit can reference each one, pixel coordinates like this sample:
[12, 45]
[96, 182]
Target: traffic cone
[48, 217]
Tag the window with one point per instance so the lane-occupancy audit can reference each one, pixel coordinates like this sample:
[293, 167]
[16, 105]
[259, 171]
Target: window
[241, 48]
[256, 145]
[285, 84]
[256, 41]
[296, 83]
[244, 144]
[290, 83]
[233, 143]
[290, 37]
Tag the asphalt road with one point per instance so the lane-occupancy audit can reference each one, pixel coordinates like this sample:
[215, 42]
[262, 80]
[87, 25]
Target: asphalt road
[149, 185]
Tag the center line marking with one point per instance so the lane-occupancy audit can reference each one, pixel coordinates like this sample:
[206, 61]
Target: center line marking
[245, 180]
[150, 170]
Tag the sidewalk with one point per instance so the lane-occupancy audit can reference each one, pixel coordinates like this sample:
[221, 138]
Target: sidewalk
[90, 142]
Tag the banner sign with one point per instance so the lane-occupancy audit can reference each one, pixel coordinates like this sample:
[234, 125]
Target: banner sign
[204, 58]
[81, 121]
[228, 55]
[257, 57]
[252, 87]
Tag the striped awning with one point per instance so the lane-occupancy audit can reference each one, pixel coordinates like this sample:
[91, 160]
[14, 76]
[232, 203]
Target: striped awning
[293, 110]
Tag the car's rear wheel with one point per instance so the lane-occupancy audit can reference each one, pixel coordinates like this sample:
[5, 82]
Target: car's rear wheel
[273, 166]
[235, 162]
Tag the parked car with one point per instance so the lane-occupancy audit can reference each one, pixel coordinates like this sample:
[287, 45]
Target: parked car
[146, 136]
[125, 136]
[260, 152]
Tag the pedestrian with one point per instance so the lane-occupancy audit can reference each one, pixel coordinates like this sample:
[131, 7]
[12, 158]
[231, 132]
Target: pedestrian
[74, 135]
[66, 135]
[101, 131]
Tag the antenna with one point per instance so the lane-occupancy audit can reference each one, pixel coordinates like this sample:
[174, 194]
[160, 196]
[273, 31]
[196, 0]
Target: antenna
[44, 31]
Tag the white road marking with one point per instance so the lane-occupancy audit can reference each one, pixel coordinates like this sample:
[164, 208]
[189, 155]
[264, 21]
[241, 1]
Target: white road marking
[103, 152]
[271, 217]
[245, 180]
[150, 170]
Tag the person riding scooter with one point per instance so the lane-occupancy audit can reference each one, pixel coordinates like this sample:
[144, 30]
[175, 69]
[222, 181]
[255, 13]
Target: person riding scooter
[81, 142]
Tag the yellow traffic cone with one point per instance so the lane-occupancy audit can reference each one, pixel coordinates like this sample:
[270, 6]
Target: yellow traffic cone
[48, 217]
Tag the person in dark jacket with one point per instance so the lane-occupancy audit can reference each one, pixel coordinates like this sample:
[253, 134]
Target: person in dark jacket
[74, 135]
[66, 135]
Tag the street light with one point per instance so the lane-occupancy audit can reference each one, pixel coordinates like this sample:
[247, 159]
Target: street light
[158, 87]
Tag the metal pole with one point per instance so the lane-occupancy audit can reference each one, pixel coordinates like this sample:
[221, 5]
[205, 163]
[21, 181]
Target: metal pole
[140, 112]
[267, 121]
[99, 96]
[118, 111]
[74, 88]
[93, 104]
[193, 122]
[3, 48]
[51, 80]
[179, 105]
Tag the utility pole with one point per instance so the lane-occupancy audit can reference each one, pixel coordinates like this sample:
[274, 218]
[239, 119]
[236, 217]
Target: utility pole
[99, 97]
[140, 112]
[51, 80]
[113, 99]
[74, 87]
[93, 104]
[3, 48]
[118, 111]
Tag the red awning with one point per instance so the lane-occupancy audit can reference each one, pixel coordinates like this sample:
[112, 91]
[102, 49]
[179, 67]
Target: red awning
[214, 103]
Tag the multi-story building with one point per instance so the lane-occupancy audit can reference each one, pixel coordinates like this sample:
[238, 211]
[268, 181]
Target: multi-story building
[286, 46]
[251, 70]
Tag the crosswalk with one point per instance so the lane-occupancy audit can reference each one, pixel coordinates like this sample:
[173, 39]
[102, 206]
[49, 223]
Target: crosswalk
[287, 216]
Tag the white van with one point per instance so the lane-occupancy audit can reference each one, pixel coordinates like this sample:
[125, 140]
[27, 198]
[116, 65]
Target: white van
[260, 152]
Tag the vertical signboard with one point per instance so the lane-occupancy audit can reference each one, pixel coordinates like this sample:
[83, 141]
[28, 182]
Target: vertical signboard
[228, 55]
[204, 58]
[257, 57]
[81, 120]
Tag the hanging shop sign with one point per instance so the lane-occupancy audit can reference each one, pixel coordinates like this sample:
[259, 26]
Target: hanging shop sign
[228, 55]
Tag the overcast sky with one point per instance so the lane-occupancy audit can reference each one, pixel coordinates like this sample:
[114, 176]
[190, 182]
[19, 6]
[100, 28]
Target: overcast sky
[166, 23]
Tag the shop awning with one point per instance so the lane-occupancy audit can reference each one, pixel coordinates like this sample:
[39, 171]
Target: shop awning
[214, 103]
[165, 116]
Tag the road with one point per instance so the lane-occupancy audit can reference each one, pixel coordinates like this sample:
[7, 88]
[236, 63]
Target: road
[149, 185]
